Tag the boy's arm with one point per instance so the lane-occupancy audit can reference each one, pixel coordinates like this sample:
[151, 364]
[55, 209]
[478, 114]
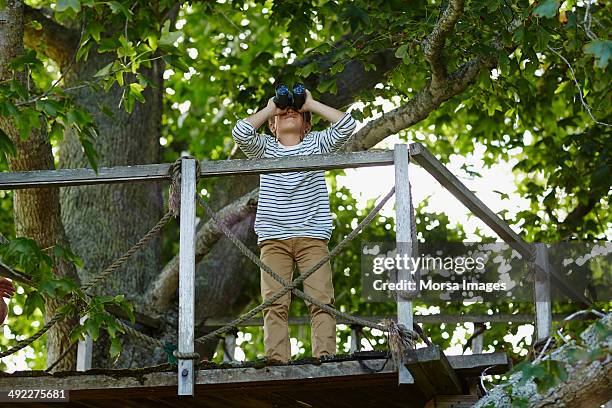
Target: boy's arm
[245, 131]
[246, 137]
[343, 125]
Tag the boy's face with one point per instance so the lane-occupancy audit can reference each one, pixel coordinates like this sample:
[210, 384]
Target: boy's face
[290, 121]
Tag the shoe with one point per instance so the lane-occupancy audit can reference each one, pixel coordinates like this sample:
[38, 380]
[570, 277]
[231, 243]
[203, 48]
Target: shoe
[275, 362]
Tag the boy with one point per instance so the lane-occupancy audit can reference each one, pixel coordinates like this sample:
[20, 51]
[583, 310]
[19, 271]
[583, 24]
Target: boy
[293, 221]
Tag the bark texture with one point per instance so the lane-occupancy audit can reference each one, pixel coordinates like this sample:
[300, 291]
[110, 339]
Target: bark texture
[36, 211]
[588, 384]
[105, 221]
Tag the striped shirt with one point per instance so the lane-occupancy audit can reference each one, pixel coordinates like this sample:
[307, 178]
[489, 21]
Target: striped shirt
[293, 204]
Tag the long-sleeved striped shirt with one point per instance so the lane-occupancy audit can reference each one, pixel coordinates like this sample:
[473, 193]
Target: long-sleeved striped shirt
[293, 204]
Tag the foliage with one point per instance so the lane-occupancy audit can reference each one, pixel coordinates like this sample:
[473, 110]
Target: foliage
[556, 365]
[25, 256]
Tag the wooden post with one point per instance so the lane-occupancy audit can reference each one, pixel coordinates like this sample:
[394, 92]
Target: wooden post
[355, 338]
[187, 276]
[229, 347]
[403, 240]
[84, 351]
[477, 342]
[542, 293]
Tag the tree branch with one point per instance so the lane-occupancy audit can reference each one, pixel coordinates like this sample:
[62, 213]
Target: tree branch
[419, 107]
[162, 289]
[574, 218]
[433, 45]
[54, 40]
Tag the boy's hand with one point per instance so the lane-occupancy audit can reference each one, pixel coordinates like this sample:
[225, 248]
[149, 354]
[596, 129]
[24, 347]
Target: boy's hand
[307, 107]
[274, 110]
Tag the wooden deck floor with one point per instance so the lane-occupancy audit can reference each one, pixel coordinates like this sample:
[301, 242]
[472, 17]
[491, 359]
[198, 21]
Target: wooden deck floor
[341, 383]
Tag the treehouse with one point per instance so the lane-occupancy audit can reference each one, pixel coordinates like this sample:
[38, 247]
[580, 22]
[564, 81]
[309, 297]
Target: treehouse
[420, 376]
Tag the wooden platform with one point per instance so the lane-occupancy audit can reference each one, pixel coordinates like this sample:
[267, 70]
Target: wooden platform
[344, 382]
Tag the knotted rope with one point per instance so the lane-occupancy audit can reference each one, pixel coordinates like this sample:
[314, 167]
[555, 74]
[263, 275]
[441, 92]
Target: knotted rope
[174, 200]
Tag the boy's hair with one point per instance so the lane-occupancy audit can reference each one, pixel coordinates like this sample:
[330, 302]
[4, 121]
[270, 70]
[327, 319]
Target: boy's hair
[307, 116]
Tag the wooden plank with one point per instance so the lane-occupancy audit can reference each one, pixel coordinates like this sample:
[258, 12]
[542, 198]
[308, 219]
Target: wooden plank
[542, 293]
[160, 172]
[163, 382]
[473, 364]
[187, 276]
[84, 351]
[452, 401]
[403, 240]
[433, 319]
[448, 180]
[432, 372]
[83, 176]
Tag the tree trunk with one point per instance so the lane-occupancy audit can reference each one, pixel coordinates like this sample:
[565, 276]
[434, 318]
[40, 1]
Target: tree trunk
[105, 221]
[36, 211]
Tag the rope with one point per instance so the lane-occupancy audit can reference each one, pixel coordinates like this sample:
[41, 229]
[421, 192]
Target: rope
[98, 279]
[174, 200]
[26, 342]
[293, 285]
[138, 246]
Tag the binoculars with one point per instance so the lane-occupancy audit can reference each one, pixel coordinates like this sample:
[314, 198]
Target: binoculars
[285, 98]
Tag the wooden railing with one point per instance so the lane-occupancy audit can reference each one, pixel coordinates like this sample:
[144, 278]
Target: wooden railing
[399, 157]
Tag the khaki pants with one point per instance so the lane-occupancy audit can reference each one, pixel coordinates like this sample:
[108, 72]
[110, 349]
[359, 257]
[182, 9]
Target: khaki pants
[282, 255]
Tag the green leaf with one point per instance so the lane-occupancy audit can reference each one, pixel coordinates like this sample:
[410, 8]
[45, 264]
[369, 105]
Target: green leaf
[94, 29]
[19, 89]
[117, 7]
[547, 9]
[601, 50]
[27, 58]
[126, 49]
[104, 71]
[308, 69]
[76, 334]
[63, 5]
[115, 348]
[6, 145]
[35, 24]
[27, 120]
[152, 40]
[83, 51]
[92, 327]
[402, 51]
[57, 131]
[48, 106]
[34, 301]
[502, 196]
[136, 91]
[168, 38]
[90, 152]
